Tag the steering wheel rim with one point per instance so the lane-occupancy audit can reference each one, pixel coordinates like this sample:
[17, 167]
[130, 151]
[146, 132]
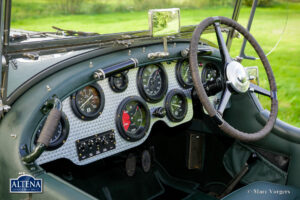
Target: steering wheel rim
[235, 78]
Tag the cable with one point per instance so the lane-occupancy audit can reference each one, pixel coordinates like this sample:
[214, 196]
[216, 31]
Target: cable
[281, 35]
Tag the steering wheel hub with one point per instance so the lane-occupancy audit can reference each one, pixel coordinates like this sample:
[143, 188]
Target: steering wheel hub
[237, 76]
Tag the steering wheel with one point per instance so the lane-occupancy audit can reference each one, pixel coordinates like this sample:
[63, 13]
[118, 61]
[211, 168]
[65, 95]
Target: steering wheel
[236, 78]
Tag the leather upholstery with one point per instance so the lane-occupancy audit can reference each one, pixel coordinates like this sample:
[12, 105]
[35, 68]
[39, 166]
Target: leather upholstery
[265, 191]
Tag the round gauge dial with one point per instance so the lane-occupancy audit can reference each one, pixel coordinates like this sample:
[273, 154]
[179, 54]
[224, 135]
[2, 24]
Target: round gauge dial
[210, 73]
[176, 105]
[88, 102]
[118, 82]
[152, 83]
[60, 135]
[133, 118]
[183, 73]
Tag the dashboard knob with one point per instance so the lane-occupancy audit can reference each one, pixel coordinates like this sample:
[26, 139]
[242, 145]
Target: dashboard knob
[159, 112]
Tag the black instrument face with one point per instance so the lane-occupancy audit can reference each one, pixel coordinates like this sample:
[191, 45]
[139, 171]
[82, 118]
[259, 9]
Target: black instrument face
[118, 82]
[133, 118]
[184, 75]
[176, 105]
[88, 102]
[210, 73]
[60, 135]
[152, 83]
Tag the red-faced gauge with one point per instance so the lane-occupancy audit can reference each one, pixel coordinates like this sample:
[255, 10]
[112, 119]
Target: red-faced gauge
[133, 118]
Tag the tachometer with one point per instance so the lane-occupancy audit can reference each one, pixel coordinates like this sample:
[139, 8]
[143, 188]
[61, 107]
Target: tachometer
[133, 118]
[183, 73]
[152, 83]
[176, 105]
[60, 135]
[88, 102]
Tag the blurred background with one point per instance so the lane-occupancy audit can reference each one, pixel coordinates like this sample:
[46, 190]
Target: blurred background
[274, 20]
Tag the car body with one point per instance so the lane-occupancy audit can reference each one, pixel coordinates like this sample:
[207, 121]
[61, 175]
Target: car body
[131, 123]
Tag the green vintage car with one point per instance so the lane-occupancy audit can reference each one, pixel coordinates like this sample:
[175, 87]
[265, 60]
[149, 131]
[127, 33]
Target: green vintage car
[158, 114]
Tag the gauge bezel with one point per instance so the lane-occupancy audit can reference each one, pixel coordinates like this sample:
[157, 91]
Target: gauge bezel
[64, 136]
[141, 132]
[179, 78]
[205, 68]
[94, 115]
[164, 78]
[114, 87]
[168, 105]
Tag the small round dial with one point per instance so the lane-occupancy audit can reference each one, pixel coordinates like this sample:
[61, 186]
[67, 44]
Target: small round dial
[133, 118]
[118, 82]
[152, 83]
[176, 105]
[210, 73]
[88, 102]
[60, 135]
[183, 73]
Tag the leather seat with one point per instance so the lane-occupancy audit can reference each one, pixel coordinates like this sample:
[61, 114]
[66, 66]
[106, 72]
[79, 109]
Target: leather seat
[265, 191]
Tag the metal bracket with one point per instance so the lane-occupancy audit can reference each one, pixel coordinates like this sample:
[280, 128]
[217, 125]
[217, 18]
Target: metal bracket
[126, 43]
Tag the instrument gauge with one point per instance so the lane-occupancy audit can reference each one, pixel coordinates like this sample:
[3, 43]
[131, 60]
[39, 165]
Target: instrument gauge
[184, 75]
[176, 105]
[60, 135]
[118, 82]
[152, 82]
[88, 103]
[133, 118]
[210, 73]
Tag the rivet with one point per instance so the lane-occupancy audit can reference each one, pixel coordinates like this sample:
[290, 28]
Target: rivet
[91, 64]
[48, 88]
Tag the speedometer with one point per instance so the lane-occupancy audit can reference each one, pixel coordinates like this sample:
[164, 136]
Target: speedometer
[133, 118]
[152, 83]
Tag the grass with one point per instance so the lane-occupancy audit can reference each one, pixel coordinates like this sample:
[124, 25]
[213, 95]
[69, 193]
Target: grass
[267, 28]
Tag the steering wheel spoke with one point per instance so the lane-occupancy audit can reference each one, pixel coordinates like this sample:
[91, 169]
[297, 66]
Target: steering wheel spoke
[259, 90]
[222, 45]
[224, 101]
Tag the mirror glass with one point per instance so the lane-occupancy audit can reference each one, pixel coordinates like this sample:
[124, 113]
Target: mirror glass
[163, 22]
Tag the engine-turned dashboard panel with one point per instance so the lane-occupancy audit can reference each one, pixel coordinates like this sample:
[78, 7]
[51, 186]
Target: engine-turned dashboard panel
[117, 113]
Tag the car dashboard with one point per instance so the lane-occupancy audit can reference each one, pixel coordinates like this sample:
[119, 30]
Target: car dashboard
[115, 113]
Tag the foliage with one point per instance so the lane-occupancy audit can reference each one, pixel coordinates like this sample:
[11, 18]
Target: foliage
[261, 3]
[69, 6]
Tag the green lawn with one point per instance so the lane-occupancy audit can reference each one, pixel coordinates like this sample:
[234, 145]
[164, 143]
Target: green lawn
[268, 24]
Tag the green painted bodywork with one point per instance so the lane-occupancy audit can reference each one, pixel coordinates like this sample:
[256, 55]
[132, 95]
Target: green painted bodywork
[17, 128]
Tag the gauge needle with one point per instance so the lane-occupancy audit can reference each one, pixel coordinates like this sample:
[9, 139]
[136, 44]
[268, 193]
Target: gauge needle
[186, 72]
[86, 101]
[175, 105]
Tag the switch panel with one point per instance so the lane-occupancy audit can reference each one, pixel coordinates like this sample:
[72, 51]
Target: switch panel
[96, 144]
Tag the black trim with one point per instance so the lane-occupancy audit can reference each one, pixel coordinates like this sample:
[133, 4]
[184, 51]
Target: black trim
[170, 115]
[94, 115]
[141, 132]
[164, 78]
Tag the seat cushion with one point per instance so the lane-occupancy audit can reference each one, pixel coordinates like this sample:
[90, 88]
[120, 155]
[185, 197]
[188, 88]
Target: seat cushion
[265, 191]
